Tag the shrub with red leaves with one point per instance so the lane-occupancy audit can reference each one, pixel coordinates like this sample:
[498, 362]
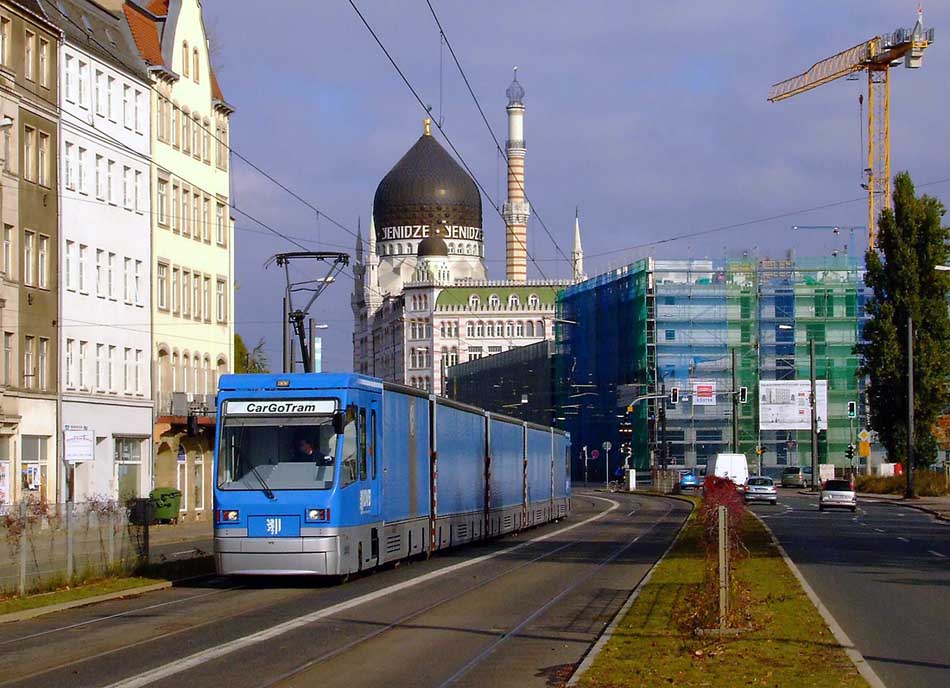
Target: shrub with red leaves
[721, 492]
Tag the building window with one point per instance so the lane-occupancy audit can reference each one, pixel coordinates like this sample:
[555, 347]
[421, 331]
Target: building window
[127, 278]
[670, 335]
[127, 370]
[469, 329]
[207, 299]
[83, 177]
[70, 364]
[70, 77]
[494, 303]
[100, 93]
[100, 273]
[175, 212]
[29, 246]
[29, 153]
[139, 112]
[529, 328]
[137, 192]
[206, 142]
[519, 329]
[513, 302]
[138, 372]
[196, 215]
[219, 224]
[70, 265]
[195, 65]
[176, 115]
[185, 213]
[44, 62]
[100, 177]
[137, 284]
[196, 137]
[185, 58]
[127, 106]
[100, 367]
[69, 164]
[185, 135]
[222, 301]
[111, 99]
[128, 463]
[44, 159]
[83, 257]
[8, 250]
[83, 85]
[176, 289]
[162, 280]
[9, 372]
[127, 187]
[43, 364]
[474, 353]
[110, 181]
[110, 277]
[110, 370]
[206, 220]
[34, 466]
[29, 350]
[196, 295]
[162, 202]
[199, 482]
[7, 150]
[83, 350]
[29, 50]
[185, 293]
[5, 40]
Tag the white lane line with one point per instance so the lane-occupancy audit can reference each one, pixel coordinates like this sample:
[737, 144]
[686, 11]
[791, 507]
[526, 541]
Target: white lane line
[199, 658]
[116, 616]
[631, 513]
[854, 654]
[902, 539]
[879, 530]
[936, 553]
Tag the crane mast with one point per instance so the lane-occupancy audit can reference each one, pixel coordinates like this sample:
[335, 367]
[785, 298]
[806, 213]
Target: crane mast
[876, 56]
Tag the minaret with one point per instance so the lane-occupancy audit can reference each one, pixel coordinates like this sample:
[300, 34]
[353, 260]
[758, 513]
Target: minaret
[516, 210]
[371, 271]
[577, 255]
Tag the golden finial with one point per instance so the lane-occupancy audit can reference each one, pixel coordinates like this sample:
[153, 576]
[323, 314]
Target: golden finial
[428, 126]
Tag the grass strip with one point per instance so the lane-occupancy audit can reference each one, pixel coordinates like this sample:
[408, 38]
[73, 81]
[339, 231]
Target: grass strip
[73, 593]
[789, 644]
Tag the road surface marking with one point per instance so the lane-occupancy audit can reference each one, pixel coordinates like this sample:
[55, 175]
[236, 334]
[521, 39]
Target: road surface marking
[199, 658]
[879, 530]
[902, 539]
[631, 513]
[936, 553]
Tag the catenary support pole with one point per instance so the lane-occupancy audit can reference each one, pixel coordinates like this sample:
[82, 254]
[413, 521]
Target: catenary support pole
[910, 408]
[735, 407]
[814, 415]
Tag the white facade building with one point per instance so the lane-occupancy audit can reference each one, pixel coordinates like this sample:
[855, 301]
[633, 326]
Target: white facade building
[105, 252]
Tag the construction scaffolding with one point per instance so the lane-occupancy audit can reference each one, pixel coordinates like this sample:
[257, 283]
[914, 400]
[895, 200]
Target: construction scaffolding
[710, 328]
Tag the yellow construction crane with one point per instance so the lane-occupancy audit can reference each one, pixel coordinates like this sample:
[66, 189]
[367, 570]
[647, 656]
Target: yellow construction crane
[876, 55]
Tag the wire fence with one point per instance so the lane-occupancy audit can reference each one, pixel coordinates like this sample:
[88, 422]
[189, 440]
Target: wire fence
[44, 546]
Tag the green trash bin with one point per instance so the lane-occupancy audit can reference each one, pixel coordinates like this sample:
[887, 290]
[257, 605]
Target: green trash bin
[166, 503]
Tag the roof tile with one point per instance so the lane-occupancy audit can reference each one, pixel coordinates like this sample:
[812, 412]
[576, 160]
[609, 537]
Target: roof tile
[145, 34]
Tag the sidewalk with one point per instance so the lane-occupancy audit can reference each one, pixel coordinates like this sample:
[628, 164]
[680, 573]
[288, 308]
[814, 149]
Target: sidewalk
[938, 506]
[181, 532]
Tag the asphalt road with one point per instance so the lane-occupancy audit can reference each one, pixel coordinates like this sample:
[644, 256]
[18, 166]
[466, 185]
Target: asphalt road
[884, 574]
[518, 611]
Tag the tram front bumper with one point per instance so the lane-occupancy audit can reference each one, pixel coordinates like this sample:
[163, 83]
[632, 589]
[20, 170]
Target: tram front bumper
[277, 556]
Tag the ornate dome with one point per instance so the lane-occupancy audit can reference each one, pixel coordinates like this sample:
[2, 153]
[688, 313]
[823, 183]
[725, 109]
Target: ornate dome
[427, 187]
[434, 244]
[515, 92]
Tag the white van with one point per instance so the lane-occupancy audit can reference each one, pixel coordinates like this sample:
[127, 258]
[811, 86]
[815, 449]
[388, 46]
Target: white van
[732, 466]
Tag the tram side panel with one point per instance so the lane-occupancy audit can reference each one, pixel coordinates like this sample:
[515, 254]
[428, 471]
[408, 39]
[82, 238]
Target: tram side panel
[405, 475]
[562, 474]
[539, 474]
[460, 477]
[506, 449]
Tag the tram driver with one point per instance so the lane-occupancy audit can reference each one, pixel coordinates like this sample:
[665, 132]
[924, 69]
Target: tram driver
[307, 452]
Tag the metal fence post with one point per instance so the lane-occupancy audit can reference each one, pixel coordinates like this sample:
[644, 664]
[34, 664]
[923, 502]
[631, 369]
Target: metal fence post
[723, 567]
[70, 553]
[21, 586]
[111, 521]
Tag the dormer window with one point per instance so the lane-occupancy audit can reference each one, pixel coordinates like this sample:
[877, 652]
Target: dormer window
[533, 301]
[185, 58]
[494, 302]
[513, 302]
[474, 302]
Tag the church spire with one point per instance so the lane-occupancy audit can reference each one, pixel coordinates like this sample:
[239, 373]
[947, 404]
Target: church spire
[577, 254]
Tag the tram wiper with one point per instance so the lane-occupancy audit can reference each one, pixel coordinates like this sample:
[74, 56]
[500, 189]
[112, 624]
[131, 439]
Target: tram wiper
[257, 474]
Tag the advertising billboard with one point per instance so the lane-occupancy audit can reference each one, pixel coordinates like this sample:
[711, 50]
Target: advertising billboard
[783, 404]
[704, 393]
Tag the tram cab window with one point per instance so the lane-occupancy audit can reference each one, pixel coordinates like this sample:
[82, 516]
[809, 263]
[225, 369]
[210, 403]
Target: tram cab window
[283, 453]
[349, 470]
[362, 429]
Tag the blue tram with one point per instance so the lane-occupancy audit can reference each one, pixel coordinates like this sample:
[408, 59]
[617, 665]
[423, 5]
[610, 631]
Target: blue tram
[329, 474]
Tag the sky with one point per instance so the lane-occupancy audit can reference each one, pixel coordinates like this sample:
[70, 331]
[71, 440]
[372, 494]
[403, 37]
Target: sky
[650, 117]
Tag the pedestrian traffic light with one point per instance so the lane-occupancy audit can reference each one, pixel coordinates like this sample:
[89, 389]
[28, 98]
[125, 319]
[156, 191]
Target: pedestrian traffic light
[674, 395]
[852, 409]
[743, 395]
[849, 452]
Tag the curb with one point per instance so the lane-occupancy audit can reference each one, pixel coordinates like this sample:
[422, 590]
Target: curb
[634, 594]
[865, 497]
[861, 664]
[63, 606]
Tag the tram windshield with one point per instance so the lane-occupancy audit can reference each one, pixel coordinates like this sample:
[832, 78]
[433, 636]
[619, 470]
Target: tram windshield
[275, 453]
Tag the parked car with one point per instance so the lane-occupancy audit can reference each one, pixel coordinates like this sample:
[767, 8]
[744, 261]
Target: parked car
[796, 476]
[688, 481]
[837, 494]
[761, 489]
[735, 467]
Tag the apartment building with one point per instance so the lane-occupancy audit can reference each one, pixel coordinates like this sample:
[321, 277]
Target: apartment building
[192, 242]
[105, 249]
[29, 248]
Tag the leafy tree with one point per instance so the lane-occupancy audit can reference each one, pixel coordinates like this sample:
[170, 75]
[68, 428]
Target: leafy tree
[904, 282]
[253, 361]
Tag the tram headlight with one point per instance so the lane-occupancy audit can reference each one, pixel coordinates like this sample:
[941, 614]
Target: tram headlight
[318, 515]
[227, 516]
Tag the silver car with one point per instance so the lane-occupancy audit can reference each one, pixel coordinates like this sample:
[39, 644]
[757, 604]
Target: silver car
[759, 488]
[837, 494]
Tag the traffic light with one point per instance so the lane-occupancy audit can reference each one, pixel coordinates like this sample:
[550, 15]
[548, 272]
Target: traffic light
[743, 395]
[674, 395]
[849, 452]
[852, 409]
